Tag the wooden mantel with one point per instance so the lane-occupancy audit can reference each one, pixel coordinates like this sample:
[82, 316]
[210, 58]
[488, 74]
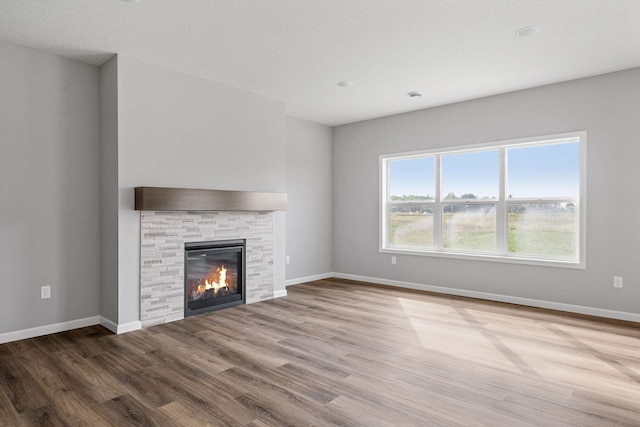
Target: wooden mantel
[189, 199]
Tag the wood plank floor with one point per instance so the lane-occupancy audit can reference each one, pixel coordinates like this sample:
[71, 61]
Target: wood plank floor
[333, 352]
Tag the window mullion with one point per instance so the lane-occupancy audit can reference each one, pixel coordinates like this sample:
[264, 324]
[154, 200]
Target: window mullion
[437, 208]
[385, 184]
[502, 234]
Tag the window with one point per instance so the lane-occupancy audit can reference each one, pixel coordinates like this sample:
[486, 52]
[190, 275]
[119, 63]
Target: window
[514, 201]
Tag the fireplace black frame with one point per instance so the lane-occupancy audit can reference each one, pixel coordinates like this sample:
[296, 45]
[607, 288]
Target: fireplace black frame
[223, 301]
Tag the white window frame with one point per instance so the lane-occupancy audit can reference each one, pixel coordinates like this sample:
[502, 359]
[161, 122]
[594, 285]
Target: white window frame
[502, 254]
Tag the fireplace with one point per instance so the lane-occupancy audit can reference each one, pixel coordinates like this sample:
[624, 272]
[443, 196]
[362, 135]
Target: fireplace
[173, 217]
[214, 275]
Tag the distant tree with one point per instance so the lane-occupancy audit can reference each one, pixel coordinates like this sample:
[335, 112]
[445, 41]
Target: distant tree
[450, 207]
[415, 208]
[410, 198]
[468, 196]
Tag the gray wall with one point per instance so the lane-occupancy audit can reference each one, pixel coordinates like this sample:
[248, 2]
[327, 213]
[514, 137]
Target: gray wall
[177, 130]
[109, 190]
[50, 219]
[309, 212]
[62, 189]
[607, 107]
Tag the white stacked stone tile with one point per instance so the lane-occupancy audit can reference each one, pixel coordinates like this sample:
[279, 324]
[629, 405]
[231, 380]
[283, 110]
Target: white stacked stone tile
[162, 239]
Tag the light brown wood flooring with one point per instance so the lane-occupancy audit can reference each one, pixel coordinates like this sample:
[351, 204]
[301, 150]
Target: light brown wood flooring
[333, 352]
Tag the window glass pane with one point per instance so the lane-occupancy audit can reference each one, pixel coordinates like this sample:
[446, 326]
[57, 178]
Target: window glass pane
[548, 229]
[412, 179]
[469, 227]
[411, 225]
[470, 176]
[544, 171]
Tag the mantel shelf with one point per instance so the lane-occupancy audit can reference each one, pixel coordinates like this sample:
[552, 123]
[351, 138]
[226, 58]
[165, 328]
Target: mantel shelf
[189, 199]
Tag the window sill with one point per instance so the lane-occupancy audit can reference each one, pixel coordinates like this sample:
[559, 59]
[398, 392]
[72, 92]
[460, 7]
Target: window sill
[560, 263]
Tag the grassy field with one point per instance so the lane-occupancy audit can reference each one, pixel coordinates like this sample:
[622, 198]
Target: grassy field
[469, 231]
[537, 233]
[414, 230]
[550, 234]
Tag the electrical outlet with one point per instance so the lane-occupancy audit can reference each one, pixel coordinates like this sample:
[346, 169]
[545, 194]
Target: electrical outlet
[393, 260]
[45, 292]
[287, 259]
[617, 282]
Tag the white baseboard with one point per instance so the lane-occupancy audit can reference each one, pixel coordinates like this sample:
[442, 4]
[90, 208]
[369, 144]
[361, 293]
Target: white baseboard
[109, 324]
[592, 311]
[48, 329]
[120, 329]
[128, 327]
[280, 294]
[306, 279]
[132, 326]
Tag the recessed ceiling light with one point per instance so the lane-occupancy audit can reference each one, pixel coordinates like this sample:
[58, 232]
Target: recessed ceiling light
[415, 94]
[527, 31]
[346, 83]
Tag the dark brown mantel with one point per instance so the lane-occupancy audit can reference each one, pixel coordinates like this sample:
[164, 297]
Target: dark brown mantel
[188, 199]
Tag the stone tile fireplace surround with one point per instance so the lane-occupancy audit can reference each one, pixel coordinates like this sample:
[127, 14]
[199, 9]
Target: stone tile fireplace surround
[163, 234]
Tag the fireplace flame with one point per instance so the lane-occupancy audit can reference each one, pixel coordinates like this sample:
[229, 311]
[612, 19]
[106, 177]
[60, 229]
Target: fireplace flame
[211, 283]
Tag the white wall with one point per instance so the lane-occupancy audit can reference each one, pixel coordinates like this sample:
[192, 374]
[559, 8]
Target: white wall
[50, 218]
[176, 130]
[607, 107]
[309, 211]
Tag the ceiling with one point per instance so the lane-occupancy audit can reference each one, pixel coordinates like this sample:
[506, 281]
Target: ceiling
[297, 50]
